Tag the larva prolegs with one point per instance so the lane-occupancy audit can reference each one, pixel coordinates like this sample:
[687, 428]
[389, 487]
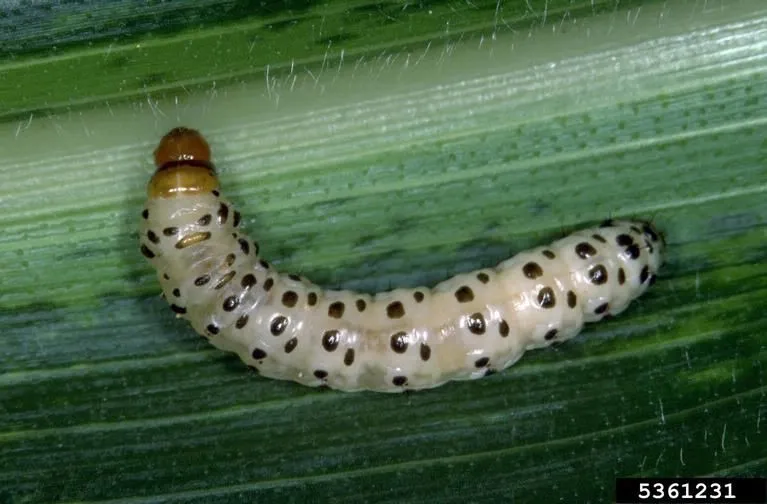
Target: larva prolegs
[288, 328]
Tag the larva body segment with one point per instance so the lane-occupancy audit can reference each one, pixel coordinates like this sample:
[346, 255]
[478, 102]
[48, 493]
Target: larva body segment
[406, 339]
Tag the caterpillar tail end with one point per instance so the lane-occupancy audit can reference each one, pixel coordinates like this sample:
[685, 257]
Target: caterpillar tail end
[183, 165]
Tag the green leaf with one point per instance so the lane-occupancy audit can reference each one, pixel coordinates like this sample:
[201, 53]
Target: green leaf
[371, 146]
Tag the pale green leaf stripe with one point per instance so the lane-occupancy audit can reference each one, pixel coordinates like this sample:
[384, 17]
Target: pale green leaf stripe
[391, 169]
[311, 34]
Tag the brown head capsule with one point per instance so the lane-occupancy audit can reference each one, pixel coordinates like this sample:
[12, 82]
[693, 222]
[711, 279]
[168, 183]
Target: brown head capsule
[183, 165]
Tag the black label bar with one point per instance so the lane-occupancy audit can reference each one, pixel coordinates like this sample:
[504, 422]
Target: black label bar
[691, 490]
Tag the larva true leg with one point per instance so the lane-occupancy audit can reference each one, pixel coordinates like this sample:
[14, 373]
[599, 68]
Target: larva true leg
[288, 328]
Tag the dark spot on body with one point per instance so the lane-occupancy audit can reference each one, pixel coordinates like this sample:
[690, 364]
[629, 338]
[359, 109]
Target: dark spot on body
[258, 354]
[607, 223]
[644, 274]
[295, 278]
[176, 292]
[241, 322]
[291, 345]
[145, 214]
[425, 352]
[482, 277]
[636, 230]
[548, 254]
[212, 329]
[532, 270]
[624, 240]
[649, 231]
[152, 237]
[336, 309]
[192, 239]
[330, 340]
[231, 303]
[349, 357]
[572, 299]
[584, 250]
[601, 308]
[225, 280]
[146, 252]
[621, 276]
[289, 298]
[230, 259]
[244, 245]
[223, 213]
[481, 362]
[204, 220]
[236, 219]
[399, 381]
[361, 305]
[278, 325]
[550, 335]
[418, 296]
[599, 238]
[652, 280]
[170, 231]
[546, 298]
[598, 274]
[215, 193]
[399, 342]
[263, 264]
[248, 281]
[503, 328]
[311, 298]
[178, 309]
[633, 251]
[165, 276]
[464, 294]
[201, 280]
[268, 284]
[476, 323]
[395, 310]
[319, 373]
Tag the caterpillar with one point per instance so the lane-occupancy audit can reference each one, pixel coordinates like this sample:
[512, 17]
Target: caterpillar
[288, 328]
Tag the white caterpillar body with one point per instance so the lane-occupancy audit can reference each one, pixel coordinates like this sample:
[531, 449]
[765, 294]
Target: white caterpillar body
[406, 339]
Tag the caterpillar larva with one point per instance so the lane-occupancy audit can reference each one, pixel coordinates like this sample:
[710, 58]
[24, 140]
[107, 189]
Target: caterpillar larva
[290, 329]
